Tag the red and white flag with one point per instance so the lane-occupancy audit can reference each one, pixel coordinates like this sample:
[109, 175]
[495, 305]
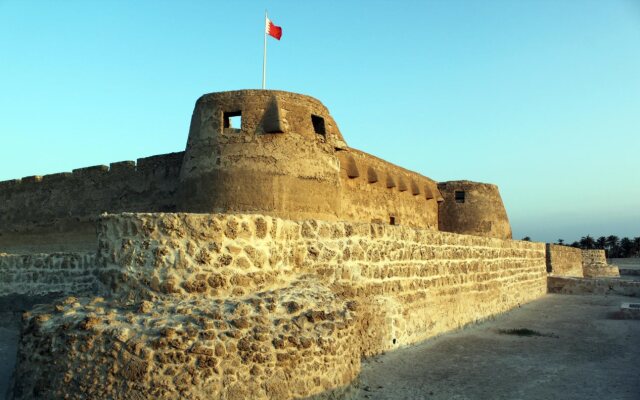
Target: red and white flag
[273, 30]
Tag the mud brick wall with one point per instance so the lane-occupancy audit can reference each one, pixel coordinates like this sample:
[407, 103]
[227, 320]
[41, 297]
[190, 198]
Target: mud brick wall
[249, 306]
[564, 260]
[44, 274]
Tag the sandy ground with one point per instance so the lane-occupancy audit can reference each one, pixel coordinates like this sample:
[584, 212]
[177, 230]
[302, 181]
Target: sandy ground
[585, 353]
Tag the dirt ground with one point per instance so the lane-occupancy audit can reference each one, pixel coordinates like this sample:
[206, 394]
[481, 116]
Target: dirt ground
[576, 349]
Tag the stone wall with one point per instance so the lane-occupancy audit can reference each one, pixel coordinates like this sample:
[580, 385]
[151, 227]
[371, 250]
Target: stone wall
[248, 306]
[564, 260]
[44, 274]
[58, 212]
[594, 264]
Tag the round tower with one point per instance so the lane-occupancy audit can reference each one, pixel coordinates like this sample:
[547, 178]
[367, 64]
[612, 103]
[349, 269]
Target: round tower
[261, 151]
[472, 208]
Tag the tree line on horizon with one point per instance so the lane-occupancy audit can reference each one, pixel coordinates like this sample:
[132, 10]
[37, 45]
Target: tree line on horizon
[612, 245]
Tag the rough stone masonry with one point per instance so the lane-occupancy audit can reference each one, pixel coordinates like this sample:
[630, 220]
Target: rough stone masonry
[248, 306]
[262, 262]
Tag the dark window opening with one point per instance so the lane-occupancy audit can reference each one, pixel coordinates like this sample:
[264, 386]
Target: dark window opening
[459, 195]
[318, 125]
[394, 340]
[392, 220]
[232, 119]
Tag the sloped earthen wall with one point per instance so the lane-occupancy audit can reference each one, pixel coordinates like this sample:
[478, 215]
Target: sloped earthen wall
[248, 306]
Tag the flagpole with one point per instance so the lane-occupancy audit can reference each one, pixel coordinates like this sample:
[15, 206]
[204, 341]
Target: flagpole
[264, 58]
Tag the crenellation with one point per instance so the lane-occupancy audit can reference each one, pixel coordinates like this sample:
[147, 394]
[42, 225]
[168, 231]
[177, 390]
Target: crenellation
[162, 161]
[91, 172]
[53, 178]
[122, 167]
[9, 183]
[31, 179]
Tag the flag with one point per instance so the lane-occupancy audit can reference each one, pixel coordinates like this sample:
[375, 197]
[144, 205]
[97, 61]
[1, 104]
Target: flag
[273, 30]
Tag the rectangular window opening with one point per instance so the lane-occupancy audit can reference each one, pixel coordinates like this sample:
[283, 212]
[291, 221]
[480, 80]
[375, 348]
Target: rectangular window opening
[392, 220]
[459, 195]
[318, 125]
[232, 119]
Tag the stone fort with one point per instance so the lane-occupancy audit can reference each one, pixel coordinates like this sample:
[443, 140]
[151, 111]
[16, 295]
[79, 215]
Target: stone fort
[262, 262]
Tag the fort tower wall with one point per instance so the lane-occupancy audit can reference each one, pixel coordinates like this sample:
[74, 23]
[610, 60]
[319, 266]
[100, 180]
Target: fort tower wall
[277, 161]
[473, 208]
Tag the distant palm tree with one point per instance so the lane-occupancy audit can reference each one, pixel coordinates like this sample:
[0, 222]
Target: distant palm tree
[612, 241]
[601, 243]
[526, 239]
[560, 241]
[587, 242]
[612, 245]
[626, 247]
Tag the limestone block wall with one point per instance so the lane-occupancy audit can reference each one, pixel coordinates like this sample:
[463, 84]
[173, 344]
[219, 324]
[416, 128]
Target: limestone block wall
[564, 260]
[249, 306]
[58, 212]
[594, 264]
[44, 274]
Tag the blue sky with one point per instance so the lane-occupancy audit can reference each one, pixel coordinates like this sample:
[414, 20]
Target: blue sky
[539, 97]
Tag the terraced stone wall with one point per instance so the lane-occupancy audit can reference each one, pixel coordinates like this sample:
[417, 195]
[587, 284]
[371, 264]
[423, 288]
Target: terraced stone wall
[248, 306]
